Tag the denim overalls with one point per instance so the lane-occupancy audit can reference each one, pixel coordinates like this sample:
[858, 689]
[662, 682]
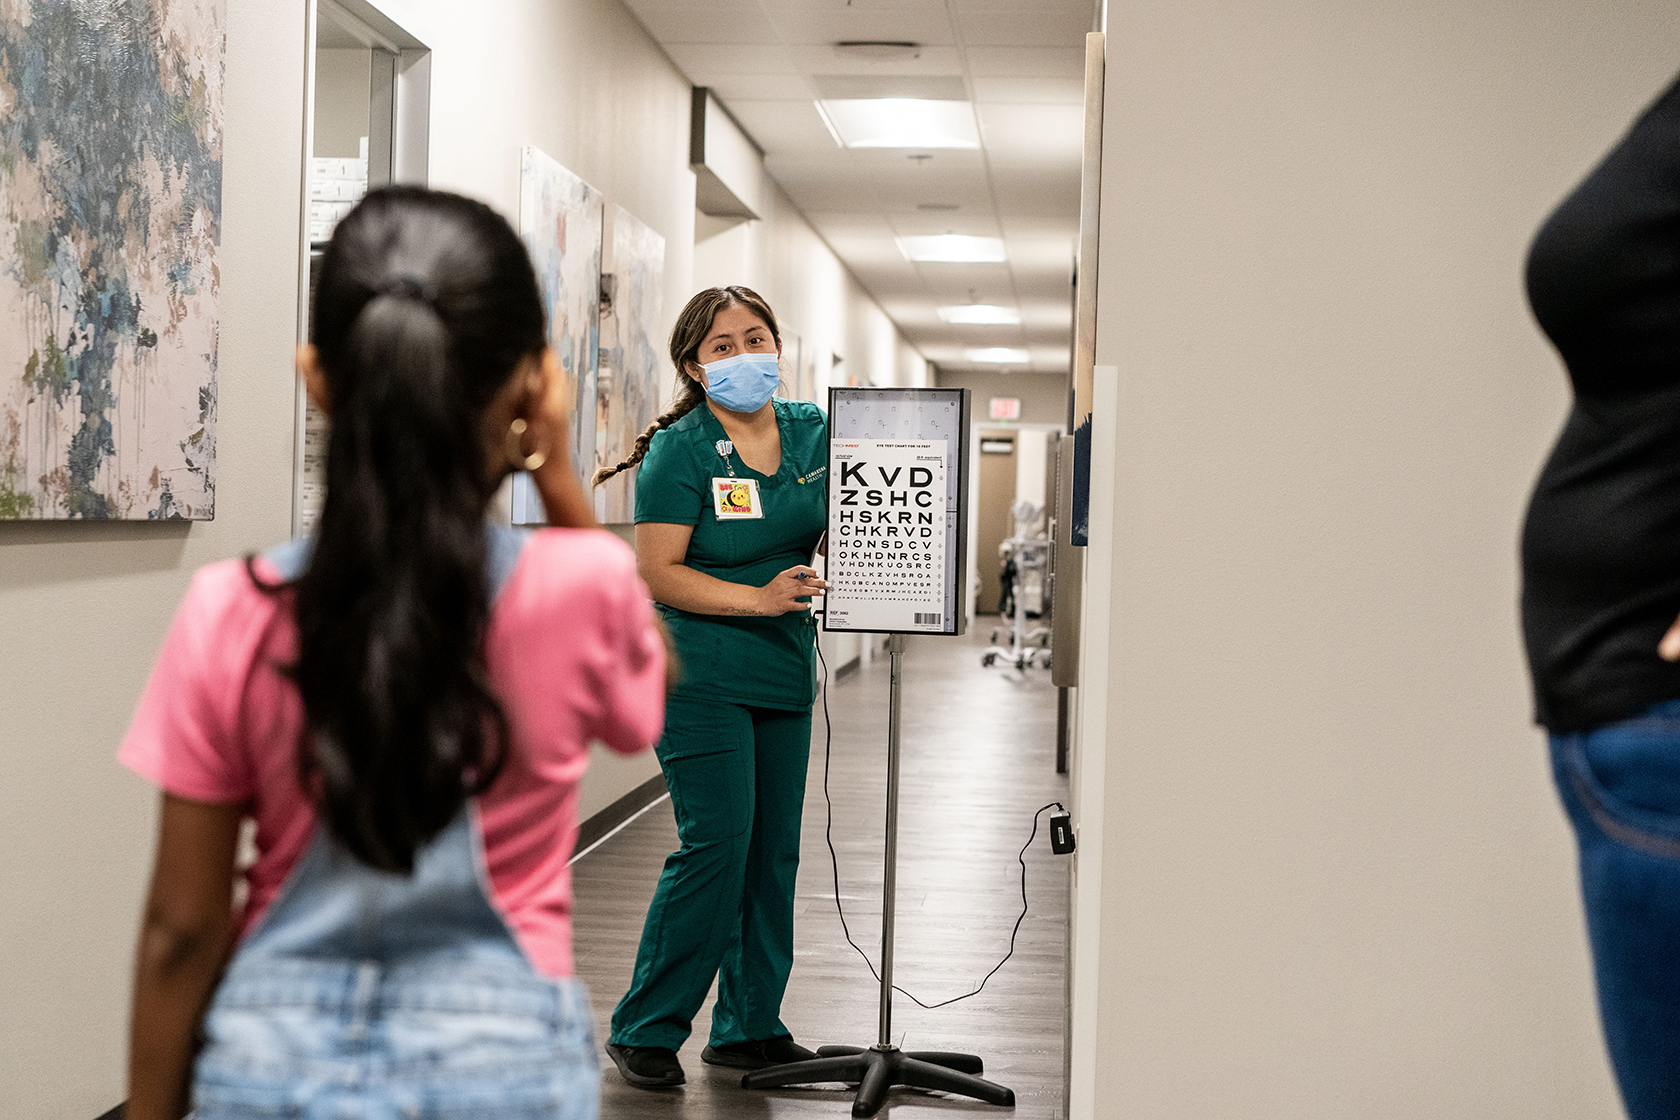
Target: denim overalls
[376, 996]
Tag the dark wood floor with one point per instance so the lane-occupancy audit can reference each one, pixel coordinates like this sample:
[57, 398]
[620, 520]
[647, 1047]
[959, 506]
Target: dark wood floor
[979, 758]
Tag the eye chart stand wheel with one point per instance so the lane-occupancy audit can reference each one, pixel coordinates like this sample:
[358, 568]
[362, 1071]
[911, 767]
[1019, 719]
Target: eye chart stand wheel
[887, 445]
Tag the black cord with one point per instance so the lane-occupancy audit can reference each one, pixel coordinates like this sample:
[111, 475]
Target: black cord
[834, 860]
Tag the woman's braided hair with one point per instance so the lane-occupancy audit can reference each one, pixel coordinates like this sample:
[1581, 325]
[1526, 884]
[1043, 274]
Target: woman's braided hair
[693, 325]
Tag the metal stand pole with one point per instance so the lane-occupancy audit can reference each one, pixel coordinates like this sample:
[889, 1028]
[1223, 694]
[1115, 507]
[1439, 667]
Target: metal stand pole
[889, 875]
[882, 1066]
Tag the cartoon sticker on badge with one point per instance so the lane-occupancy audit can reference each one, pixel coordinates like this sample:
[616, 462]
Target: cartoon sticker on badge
[736, 499]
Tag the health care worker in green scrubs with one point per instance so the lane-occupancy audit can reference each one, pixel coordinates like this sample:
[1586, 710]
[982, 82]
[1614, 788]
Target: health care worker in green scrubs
[730, 504]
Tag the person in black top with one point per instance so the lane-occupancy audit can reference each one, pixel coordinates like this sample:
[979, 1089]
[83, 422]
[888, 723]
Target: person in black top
[1601, 583]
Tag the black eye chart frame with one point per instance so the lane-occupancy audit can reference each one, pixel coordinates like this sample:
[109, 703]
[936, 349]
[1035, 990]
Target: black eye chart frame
[898, 416]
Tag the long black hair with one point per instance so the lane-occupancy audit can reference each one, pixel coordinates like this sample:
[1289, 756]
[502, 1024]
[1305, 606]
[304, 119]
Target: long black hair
[426, 305]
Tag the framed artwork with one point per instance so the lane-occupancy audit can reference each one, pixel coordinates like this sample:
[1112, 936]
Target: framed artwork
[110, 230]
[560, 221]
[629, 361]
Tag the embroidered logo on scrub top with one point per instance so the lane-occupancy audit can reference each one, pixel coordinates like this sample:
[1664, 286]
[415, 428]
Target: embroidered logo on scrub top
[813, 476]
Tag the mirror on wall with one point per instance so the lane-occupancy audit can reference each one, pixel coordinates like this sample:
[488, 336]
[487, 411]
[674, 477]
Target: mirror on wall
[369, 103]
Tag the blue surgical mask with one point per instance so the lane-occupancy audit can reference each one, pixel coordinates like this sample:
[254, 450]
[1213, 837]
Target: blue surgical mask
[744, 382]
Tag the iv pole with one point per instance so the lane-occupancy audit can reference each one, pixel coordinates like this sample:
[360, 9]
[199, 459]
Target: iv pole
[877, 1069]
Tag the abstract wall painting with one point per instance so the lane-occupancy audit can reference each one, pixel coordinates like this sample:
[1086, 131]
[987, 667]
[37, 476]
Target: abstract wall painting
[560, 221]
[627, 385]
[110, 228]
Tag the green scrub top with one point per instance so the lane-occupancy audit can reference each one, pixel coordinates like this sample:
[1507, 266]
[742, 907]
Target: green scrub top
[757, 662]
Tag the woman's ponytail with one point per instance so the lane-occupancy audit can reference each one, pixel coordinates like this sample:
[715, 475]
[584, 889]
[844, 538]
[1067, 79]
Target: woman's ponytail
[689, 396]
[426, 305]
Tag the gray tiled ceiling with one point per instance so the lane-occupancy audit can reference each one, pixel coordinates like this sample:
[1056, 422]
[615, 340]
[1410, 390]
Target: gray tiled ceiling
[1020, 63]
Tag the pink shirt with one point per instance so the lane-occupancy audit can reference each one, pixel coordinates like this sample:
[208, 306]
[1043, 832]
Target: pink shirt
[573, 655]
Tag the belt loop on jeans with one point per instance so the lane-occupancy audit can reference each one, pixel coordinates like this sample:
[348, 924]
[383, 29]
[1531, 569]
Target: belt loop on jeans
[364, 998]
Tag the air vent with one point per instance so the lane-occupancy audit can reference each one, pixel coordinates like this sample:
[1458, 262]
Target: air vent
[877, 50]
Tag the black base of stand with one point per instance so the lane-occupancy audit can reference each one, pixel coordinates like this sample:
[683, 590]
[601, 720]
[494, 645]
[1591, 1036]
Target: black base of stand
[878, 1069]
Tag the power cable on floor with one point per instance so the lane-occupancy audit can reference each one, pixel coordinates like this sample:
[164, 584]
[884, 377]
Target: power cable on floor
[834, 860]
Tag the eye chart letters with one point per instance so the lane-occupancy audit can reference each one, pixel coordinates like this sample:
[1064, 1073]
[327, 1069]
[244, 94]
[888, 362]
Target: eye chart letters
[897, 495]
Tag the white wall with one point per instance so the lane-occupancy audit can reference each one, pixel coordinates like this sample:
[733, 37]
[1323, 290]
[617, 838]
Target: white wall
[85, 607]
[343, 89]
[1336, 881]
[581, 80]
[1043, 396]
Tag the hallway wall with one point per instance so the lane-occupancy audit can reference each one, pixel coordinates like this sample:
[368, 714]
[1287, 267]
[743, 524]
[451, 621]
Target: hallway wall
[86, 606]
[1335, 879]
[84, 610]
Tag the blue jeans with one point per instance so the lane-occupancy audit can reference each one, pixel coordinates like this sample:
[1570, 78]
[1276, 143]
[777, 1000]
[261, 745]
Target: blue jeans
[1621, 786]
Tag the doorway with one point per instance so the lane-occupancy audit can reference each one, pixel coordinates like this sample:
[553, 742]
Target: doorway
[367, 121]
[995, 524]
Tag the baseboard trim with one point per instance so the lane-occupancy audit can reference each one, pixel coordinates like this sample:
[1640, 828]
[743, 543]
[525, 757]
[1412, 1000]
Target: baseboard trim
[618, 812]
[848, 668]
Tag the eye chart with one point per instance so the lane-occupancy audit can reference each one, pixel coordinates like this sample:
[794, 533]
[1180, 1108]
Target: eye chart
[897, 510]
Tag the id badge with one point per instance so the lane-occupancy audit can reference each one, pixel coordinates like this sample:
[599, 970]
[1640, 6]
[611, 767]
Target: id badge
[736, 499]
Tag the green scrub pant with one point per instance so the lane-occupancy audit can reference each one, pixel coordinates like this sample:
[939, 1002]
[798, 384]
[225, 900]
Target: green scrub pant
[724, 904]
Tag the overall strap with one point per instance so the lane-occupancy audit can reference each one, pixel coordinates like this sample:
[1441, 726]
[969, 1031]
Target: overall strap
[503, 548]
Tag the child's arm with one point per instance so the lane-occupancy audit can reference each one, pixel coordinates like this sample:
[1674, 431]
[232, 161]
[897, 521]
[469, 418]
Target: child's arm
[184, 939]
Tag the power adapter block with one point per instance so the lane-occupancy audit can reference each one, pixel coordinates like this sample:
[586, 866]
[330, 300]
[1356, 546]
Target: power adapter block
[1061, 832]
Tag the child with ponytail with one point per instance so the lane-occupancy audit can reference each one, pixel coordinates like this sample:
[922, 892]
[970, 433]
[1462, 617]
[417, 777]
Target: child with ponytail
[402, 705]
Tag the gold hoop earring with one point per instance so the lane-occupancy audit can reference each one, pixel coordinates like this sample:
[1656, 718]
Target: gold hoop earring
[516, 449]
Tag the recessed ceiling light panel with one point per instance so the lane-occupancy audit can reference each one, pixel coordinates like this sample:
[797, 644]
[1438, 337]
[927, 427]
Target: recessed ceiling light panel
[979, 313]
[956, 248]
[998, 355]
[901, 122]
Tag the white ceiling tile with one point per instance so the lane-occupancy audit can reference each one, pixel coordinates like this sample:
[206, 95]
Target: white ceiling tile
[1026, 62]
[1028, 191]
[1036, 253]
[822, 58]
[820, 194]
[1025, 25]
[803, 23]
[783, 126]
[851, 226]
[1030, 91]
[1034, 133]
[706, 65]
[733, 87]
[1047, 315]
[973, 223]
[736, 27]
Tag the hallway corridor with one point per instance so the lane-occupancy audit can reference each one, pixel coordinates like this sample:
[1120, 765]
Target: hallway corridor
[978, 759]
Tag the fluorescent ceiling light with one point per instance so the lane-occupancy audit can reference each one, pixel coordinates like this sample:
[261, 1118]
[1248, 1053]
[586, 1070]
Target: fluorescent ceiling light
[901, 122]
[957, 248]
[979, 313]
[1002, 355]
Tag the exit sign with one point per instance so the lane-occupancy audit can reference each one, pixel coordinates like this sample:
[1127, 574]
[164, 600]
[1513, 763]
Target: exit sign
[1006, 408]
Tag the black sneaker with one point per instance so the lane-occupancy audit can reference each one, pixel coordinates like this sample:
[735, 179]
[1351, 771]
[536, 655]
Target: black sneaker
[757, 1054]
[647, 1067]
